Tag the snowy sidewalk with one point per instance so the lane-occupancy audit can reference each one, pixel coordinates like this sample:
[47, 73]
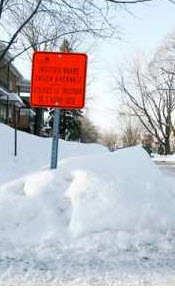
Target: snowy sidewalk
[103, 265]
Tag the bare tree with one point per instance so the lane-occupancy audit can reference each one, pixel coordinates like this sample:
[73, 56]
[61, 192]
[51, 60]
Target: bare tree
[41, 24]
[152, 96]
[89, 133]
[49, 20]
[28, 25]
[130, 129]
[164, 56]
[12, 8]
[153, 102]
[109, 140]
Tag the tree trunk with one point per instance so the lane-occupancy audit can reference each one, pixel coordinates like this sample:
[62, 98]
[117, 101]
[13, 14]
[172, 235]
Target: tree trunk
[168, 132]
[167, 146]
[64, 124]
[38, 121]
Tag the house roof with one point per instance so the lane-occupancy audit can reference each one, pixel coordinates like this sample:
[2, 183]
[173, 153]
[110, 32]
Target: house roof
[9, 58]
[15, 71]
[3, 91]
[11, 97]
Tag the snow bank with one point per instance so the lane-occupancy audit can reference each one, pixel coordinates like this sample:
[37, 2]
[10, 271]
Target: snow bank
[32, 201]
[164, 158]
[93, 191]
[34, 153]
[34, 209]
[122, 191]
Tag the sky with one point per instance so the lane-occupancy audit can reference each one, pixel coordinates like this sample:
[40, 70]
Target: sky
[142, 31]
[141, 34]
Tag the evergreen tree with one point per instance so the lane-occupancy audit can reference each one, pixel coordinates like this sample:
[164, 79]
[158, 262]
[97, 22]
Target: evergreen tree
[70, 120]
[70, 124]
[66, 47]
[89, 133]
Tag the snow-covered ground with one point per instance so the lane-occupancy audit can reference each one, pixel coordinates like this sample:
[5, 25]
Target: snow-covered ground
[101, 218]
[164, 158]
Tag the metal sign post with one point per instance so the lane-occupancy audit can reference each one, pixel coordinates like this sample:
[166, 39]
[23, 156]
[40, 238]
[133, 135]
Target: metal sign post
[55, 140]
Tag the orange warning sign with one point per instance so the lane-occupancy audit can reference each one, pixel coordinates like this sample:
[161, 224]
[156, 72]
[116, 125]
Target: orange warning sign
[58, 80]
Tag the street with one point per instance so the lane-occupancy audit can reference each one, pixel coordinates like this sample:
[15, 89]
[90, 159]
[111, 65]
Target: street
[167, 168]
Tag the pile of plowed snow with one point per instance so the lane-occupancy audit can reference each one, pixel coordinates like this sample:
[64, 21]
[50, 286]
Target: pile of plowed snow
[34, 153]
[118, 191]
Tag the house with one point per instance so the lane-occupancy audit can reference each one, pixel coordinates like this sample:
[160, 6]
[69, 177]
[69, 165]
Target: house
[24, 93]
[13, 110]
[37, 114]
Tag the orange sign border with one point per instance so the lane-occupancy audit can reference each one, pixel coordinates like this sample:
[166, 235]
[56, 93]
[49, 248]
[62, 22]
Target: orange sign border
[32, 81]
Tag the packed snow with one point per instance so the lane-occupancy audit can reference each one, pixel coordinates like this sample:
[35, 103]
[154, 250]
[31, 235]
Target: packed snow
[100, 218]
[164, 158]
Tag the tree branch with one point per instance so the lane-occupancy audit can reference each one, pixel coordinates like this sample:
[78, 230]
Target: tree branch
[19, 30]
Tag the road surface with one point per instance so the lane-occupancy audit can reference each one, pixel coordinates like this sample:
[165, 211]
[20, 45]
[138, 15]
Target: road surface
[167, 168]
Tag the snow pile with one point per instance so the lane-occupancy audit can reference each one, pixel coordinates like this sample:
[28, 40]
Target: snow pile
[164, 158]
[29, 210]
[122, 191]
[34, 153]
